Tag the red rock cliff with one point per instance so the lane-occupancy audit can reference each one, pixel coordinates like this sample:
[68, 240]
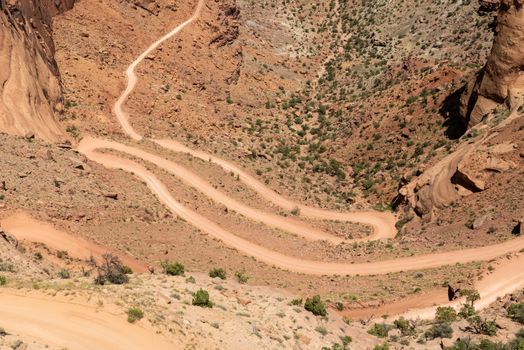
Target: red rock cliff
[29, 78]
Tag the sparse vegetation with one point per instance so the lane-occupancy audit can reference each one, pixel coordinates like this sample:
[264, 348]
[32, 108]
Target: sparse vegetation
[380, 330]
[134, 314]
[201, 298]
[218, 273]
[445, 314]
[516, 312]
[111, 271]
[315, 306]
[439, 330]
[242, 278]
[64, 274]
[173, 268]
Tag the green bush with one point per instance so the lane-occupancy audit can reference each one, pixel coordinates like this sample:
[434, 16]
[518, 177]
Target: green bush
[384, 346]
[406, 327]
[64, 274]
[486, 344]
[296, 302]
[134, 314]
[220, 273]
[471, 295]
[483, 326]
[467, 311]
[3, 280]
[201, 298]
[516, 312]
[242, 278]
[380, 330]
[315, 306]
[439, 330]
[173, 268]
[445, 314]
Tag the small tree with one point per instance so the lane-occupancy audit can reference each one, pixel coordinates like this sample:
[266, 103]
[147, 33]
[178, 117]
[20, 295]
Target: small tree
[201, 298]
[471, 295]
[111, 270]
[315, 306]
[483, 326]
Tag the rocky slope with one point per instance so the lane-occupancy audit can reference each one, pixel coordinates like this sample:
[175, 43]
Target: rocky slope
[490, 105]
[29, 80]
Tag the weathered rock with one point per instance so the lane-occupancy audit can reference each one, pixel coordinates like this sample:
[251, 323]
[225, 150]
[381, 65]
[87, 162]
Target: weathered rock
[478, 222]
[502, 79]
[29, 77]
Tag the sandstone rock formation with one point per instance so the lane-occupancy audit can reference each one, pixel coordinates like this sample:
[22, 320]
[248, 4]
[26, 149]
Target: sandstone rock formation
[29, 78]
[502, 80]
[465, 171]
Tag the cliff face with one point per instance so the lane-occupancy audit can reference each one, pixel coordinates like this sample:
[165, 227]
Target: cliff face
[29, 78]
[502, 80]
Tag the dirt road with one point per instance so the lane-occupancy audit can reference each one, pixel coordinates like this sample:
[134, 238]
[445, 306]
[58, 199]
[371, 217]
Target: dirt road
[64, 324]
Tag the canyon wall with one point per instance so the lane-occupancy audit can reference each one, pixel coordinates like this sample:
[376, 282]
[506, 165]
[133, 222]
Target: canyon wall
[29, 78]
[501, 81]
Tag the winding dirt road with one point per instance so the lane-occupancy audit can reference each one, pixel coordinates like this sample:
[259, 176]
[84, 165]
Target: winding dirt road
[89, 145]
[383, 223]
[123, 117]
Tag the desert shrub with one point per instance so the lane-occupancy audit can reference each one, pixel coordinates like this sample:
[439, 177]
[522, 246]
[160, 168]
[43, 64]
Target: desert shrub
[220, 273]
[296, 302]
[486, 344]
[3, 280]
[173, 268]
[384, 346]
[445, 314]
[380, 330]
[339, 306]
[64, 274]
[467, 311]
[483, 326]
[322, 330]
[201, 298]
[134, 314]
[406, 327]
[439, 330]
[242, 278]
[516, 312]
[111, 270]
[127, 270]
[315, 306]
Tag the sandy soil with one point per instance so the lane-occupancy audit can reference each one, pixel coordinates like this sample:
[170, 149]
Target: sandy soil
[70, 325]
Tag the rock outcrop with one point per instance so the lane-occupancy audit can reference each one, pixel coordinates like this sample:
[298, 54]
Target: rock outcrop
[29, 78]
[467, 170]
[502, 79]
